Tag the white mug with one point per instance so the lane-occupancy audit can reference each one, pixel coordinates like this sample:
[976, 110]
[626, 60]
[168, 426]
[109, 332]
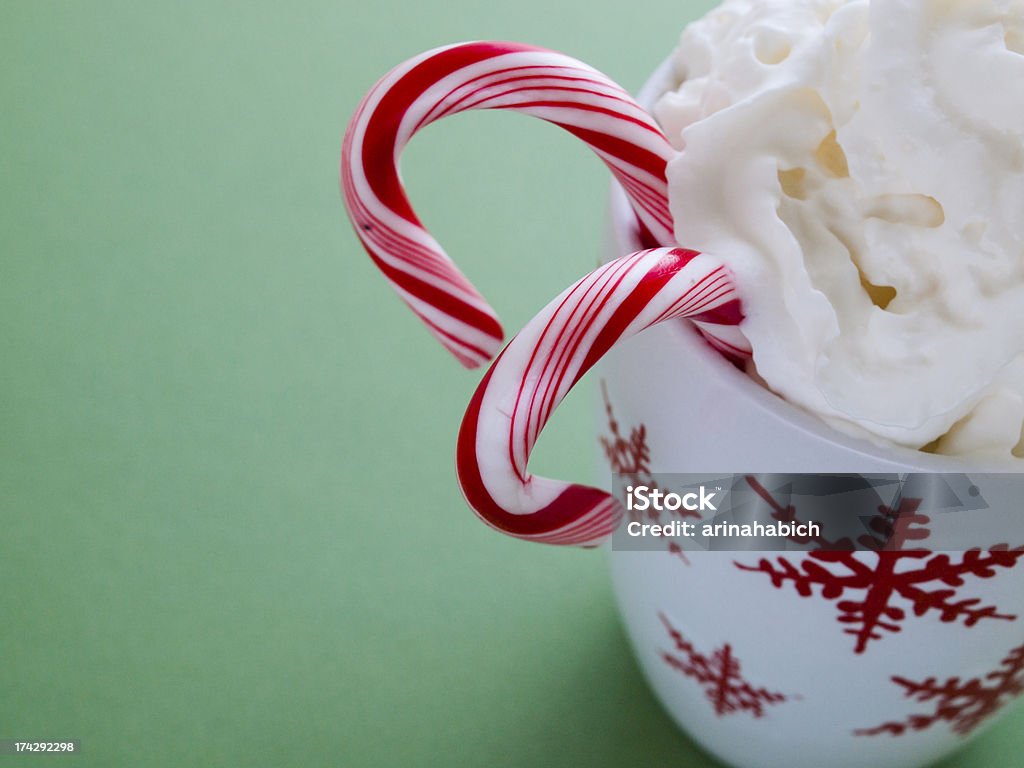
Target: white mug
[755, 672]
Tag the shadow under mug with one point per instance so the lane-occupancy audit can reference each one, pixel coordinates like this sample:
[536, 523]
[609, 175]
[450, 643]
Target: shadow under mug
[759, 669]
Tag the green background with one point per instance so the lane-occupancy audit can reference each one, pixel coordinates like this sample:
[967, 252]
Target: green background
[230, 532]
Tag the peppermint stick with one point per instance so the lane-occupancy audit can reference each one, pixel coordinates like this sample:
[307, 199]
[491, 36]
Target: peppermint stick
[485, 75]
[542, 363]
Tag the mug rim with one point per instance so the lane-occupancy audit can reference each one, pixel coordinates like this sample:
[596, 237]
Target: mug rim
[738, 384]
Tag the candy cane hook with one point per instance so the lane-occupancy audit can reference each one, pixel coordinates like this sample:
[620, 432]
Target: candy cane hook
[542, 363]
[484, 75]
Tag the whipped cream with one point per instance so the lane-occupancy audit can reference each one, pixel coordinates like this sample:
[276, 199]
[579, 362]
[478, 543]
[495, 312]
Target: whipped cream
[860, 167]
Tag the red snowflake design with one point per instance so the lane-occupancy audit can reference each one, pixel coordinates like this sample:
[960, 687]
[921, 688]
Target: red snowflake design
[964, 704]
[896, 573]
[627, 456]
[720, 676]
[892, 529]
[631, 458]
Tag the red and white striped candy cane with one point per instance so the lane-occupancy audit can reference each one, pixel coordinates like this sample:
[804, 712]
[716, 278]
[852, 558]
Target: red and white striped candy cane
[543, 362]
[484, 75]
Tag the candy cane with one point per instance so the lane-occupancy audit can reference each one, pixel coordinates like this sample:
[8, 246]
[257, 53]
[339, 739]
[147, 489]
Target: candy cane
[485, 75]
[543, 362]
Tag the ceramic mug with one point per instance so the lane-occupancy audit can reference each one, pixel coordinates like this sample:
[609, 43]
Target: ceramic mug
[757, 672]
[767, 670]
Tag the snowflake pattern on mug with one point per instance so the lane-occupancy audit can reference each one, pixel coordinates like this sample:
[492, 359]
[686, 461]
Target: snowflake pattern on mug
[627, 456]
[631, 458]
[963, 704]
[874, 591]
[890, 529]
[719, 675]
